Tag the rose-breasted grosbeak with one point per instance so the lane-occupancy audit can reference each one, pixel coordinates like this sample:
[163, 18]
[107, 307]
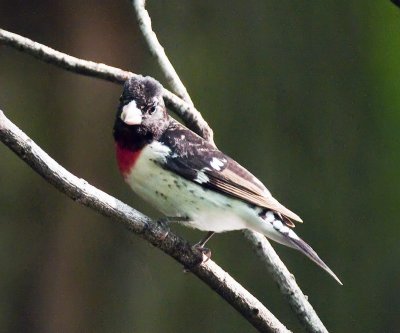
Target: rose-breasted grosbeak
[187, 179]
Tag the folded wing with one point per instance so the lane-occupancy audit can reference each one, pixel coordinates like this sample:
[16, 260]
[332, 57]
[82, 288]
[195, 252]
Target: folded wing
[194, 159]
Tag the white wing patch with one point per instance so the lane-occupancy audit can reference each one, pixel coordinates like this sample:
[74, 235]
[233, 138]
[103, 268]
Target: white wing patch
[216, 163]
[159, 151]
[202, 177]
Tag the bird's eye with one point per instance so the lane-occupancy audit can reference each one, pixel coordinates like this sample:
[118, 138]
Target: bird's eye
[152, 109]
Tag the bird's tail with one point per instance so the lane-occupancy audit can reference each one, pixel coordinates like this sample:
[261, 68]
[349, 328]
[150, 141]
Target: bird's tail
[307, 250]
[286, 236]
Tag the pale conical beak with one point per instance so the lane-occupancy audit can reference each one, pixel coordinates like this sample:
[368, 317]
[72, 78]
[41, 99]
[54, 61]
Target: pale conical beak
[131, 114]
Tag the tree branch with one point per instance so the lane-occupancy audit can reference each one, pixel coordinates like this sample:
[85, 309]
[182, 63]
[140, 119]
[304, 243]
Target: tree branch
[285, 280]
[189, 115]
[158, 52]
[287, 283]
[63, 60]
[81, 191]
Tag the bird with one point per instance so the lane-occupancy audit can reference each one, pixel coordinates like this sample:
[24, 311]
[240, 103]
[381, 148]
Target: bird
[188, 179]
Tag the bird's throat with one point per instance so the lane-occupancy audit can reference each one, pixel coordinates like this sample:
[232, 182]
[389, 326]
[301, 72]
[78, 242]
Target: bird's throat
[126, 158]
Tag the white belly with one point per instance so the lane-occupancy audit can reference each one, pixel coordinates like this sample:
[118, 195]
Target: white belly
[177, 197]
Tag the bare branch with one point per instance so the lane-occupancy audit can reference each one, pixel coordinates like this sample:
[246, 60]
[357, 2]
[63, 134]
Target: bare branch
[189, 115]
[287, 283]
[51, 56]
[157, 51]
[261, 245]
[84, 193]
[192, 118]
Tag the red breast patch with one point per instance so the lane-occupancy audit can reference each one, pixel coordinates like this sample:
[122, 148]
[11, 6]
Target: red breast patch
[126, 159]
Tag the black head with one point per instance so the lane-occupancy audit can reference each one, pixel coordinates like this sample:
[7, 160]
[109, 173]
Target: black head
[142, 115]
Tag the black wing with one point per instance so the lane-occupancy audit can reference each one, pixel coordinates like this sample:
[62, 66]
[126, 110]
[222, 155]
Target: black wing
[195, 159]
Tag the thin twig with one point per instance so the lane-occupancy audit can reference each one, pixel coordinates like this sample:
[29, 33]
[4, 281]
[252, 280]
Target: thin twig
[189, 115]
[287, 283]
[157, 51]
[84, 193]
[285, 280]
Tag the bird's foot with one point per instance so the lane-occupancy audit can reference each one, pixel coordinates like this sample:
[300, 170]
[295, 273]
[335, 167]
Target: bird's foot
[164, 223]
[205, 256]
[204, 240]
[206, 252]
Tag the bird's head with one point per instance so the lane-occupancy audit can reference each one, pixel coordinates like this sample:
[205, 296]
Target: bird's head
[141, 112]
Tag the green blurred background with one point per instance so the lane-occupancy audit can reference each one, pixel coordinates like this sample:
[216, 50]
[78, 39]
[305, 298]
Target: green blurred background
[305, 94]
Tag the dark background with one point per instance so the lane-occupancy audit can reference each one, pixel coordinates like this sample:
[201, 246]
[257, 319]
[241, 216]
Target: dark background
[304, 94]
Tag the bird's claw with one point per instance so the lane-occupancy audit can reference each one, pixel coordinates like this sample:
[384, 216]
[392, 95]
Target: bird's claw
[206, 252]
[206, 255]
[163, 223]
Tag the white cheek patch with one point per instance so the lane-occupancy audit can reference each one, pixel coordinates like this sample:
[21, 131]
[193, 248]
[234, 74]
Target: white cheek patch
[131, 114]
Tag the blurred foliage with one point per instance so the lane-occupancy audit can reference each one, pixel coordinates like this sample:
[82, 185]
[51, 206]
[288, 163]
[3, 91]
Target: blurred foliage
[304, 94]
